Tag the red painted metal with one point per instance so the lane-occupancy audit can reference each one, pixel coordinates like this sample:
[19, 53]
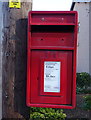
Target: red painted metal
[52, 36]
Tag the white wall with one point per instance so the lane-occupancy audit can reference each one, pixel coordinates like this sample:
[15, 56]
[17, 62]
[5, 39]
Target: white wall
[83, 37]
[1, 60]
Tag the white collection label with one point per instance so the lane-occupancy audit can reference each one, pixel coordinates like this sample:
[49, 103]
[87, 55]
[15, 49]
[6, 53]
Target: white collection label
[52, 76]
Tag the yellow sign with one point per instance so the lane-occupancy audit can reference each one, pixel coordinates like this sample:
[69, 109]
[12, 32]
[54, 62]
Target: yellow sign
[15, 3]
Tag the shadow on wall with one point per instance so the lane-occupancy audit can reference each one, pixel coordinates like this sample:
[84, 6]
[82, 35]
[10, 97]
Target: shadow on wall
[21, 68]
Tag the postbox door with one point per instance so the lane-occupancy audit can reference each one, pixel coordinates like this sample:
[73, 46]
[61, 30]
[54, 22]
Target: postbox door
[51, 77]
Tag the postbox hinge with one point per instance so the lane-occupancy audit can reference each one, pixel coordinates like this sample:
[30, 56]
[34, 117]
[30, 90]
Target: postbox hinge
[78, 27]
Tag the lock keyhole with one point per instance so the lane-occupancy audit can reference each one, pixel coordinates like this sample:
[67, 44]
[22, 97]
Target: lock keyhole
[62, 39]
[41, 39]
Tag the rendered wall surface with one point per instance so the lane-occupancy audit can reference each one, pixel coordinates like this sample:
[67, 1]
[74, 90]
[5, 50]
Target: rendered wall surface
[1, 23]
[83, 37]
[90, 37]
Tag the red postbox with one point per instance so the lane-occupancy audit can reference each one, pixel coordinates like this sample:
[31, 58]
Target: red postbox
[51, 65]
